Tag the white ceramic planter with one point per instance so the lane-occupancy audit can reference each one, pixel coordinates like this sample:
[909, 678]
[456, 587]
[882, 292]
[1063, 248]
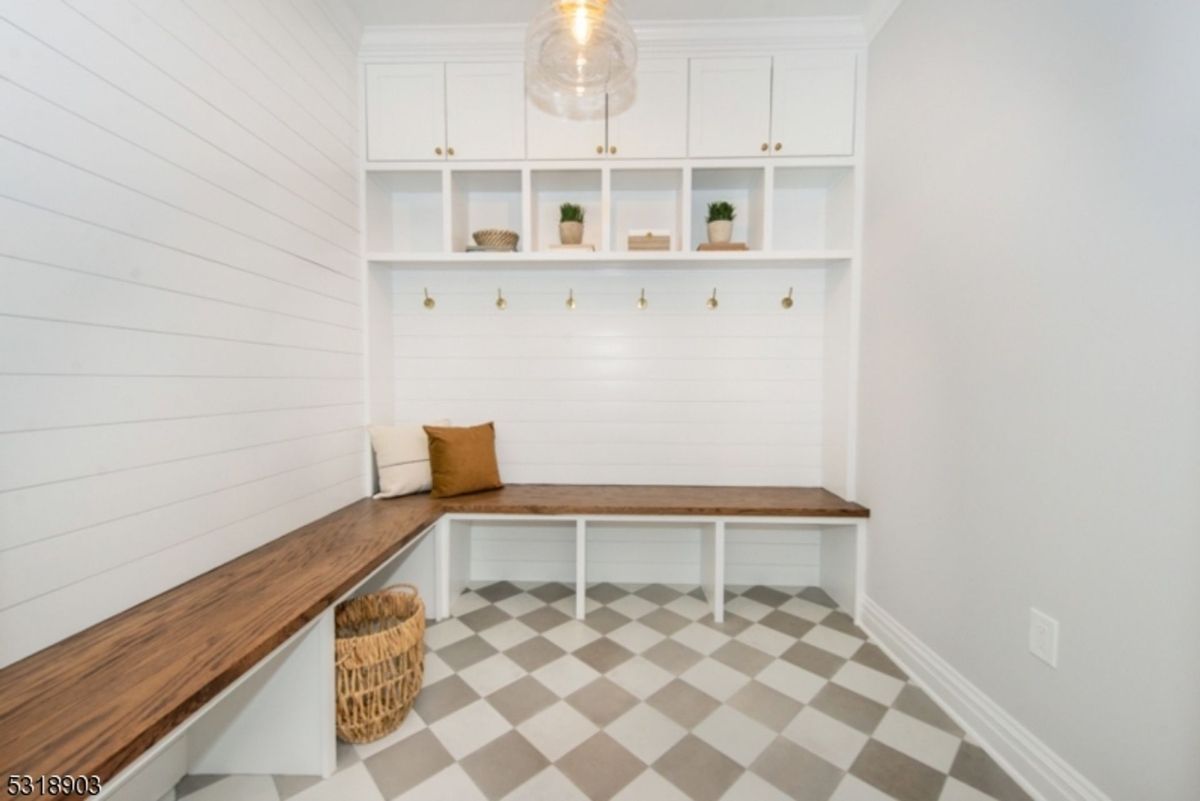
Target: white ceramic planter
[570, 233]
[720, 231]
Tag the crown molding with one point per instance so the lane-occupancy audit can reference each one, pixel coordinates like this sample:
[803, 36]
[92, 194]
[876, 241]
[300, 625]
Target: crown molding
[418, 43]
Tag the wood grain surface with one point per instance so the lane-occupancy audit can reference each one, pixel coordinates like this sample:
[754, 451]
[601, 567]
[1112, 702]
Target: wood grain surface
[94, 702]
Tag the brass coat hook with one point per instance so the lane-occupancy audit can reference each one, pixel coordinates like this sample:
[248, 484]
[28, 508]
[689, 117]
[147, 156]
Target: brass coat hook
[712, 302]
[429, 302]
[641, 301]
[787, 302]
[501, 303]
[571, 299]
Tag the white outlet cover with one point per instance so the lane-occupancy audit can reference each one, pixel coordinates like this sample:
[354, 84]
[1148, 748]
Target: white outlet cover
[1043, 637]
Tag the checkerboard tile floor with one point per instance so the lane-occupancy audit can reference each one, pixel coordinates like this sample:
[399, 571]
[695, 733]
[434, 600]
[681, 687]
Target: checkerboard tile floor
[649, 700]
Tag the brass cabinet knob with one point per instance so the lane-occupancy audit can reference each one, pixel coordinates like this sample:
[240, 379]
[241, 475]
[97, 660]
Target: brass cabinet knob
[449, 151]
[437, 150]
[765, 147]
[778, 146]
[613, 150]
[600, 149]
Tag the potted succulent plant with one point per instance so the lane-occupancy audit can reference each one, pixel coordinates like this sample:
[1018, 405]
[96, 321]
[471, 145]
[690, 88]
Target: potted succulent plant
[720, 221]
[570, 224]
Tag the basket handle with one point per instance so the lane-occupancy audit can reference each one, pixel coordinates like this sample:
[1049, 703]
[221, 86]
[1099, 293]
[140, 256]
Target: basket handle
[397, 588]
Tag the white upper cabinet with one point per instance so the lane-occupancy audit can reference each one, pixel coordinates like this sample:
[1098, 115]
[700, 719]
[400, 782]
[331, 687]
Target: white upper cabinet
[485, 111]
[655, 125]
[553, 137]
[406, 111]
[730, 107]
[813, 103]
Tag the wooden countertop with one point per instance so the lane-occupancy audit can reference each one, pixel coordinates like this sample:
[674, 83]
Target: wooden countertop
[615, 499]
[94, 702]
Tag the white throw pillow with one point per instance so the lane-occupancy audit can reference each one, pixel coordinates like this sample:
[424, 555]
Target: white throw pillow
[402, 458]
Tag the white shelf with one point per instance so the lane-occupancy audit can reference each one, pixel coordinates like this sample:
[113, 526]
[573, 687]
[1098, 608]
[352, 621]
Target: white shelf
[816, 258]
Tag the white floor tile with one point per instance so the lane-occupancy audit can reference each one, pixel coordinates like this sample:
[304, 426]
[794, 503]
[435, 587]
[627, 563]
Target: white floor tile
[508, 634]
[650, 786]
[750, 787]
[701, 638]
[353, 782]
[435, 668]
[557, 730]
[957, 791]
[519, 605]
[766, 639]
[572, 635]
[631, 606]
[411, 725]
[715, 678]
[636, 637]
[918, 739]
[489, 675]
[827, 737]
[565, 675]
[640, 676]
[833, 641]
[448, 632]
[470, 728]
[549, 785]
[870, 683]
[467, 602]
[855, 789]
[806, 609]
[451, 784]
[735, 735]
[750, 610]
[790, 680]
[646, 732]
[689, 607]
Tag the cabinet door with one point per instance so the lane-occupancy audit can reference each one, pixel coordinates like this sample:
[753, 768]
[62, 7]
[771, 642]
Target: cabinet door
[406, 112]
[729, 107]
[655, 125]
[485, 111]
[813, 104]
[553, 137]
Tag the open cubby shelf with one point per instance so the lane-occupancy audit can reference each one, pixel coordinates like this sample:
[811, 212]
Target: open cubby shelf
[786, 213]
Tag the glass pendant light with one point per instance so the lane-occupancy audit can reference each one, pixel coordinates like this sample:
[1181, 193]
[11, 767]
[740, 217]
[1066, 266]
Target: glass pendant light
[580, 54]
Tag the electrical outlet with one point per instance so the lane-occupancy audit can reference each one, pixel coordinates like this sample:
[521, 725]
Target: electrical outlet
[1043, 637]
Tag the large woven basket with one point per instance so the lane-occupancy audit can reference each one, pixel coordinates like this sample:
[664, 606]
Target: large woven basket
[380, 661]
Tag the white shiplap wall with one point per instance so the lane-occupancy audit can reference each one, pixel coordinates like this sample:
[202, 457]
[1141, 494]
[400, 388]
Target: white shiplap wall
[180, 302]
[674, 394]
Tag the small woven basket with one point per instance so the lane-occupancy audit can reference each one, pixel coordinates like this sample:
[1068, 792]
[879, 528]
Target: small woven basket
[498, 238]
[380, 651]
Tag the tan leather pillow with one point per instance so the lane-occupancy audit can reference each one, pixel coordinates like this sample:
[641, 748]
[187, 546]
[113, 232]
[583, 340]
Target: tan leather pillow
[463, 459]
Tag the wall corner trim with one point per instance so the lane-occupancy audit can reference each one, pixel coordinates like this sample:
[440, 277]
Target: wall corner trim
[1042, 772]
[877, 16]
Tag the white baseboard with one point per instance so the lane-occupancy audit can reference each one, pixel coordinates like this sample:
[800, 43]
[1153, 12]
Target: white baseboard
[1044, 774]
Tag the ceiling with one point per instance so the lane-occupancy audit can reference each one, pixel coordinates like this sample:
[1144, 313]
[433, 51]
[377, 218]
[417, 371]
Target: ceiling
[452, 12]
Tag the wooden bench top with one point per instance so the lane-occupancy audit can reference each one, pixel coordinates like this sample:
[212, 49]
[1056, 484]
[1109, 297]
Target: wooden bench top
[94, 702]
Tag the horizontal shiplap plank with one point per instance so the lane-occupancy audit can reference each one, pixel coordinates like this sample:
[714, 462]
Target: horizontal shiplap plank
[697, 413]
[47, 129]
[43, 402]
[48, 238]
[34, 290]
[69, 29]
[693, 369]
[216, 93]
[58, 79]
[335, 89]
[619, 346]
[607, 390]
[37, 513]
[47, 183]
[197, 34]
[38, 457]
[51, 347]
[50, 617]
